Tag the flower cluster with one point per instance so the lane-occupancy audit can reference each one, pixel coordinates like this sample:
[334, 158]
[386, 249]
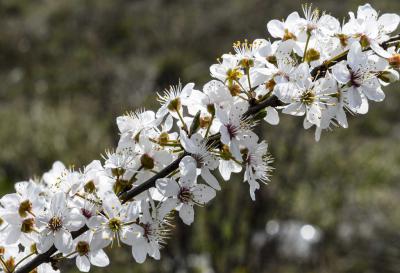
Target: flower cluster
[167, 162]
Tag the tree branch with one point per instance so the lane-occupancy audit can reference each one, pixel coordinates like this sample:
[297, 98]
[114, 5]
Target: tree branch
[272, 101]
[320, 70]
[46, 257]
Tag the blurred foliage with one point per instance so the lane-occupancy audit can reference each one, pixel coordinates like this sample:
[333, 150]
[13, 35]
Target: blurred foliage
[69, 68]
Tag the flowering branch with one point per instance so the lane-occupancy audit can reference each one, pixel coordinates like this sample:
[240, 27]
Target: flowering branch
[316, 68]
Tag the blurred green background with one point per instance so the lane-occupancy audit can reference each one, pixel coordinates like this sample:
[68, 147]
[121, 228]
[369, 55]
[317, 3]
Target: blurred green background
[69, 68]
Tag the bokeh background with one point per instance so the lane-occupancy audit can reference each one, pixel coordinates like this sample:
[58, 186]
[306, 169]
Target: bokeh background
[68, 68]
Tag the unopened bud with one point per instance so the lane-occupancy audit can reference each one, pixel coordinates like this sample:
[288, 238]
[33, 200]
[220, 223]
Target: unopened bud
[394, 61]
[270, 85]
[205, 122]
[82, 248]
[28, 225]
[24, 208]
[147, 161]
[234, 89]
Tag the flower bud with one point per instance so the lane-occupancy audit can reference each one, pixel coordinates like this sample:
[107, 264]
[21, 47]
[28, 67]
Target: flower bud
[205, 122]
[312, 55]
[394, 61]
[270, 85]
[82, 248]
[24, 208]
[147, 161]
[234, 89]
[28, 225]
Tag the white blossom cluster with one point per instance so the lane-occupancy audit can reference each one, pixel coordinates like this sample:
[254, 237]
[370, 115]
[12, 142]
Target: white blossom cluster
[167, 161]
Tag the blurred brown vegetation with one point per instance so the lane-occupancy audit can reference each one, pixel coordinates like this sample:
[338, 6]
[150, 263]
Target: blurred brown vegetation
[69, 68]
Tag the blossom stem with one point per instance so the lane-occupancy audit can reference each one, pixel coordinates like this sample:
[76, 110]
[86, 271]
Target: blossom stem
[209, 125]
[165, 144]
[24, 258]
[181, 119]
[69, 255]
[306, 47]
[248, 78]
[244, 90]
[4, 265]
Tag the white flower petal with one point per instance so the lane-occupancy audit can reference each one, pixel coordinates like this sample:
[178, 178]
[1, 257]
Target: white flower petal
[139, 250]
[203, 194]
[210, 179]
[99, 258]
[168, 187]
[63, 241]
[167, 206]
[74, 221]
[45, 242]
[341, 73]
[58, 203]
[83, 264]
[272, 116]
[276, 28]
[187, 214]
